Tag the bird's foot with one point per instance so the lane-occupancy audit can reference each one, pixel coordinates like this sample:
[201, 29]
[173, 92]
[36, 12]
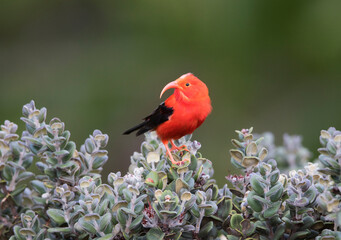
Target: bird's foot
[181, 163]
[181, 148]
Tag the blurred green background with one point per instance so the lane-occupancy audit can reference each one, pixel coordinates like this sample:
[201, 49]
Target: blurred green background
[274, 65]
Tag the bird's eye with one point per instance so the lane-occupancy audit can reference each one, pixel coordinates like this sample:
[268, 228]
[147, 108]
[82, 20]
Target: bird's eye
[187, 84]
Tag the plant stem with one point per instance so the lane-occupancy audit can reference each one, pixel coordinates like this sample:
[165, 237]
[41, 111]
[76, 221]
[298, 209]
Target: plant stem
[197, 227]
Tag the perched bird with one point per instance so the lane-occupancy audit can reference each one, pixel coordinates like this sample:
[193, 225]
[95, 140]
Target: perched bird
[183, 112]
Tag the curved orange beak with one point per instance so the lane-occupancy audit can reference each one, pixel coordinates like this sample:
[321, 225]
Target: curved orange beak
[170, 85]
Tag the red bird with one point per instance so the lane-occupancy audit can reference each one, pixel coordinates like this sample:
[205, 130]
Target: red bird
[181, 113]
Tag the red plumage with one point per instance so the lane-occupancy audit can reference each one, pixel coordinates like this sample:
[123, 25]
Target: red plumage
[182, 113]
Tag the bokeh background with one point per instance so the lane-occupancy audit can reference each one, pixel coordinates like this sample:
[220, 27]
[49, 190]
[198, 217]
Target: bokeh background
[273, 65]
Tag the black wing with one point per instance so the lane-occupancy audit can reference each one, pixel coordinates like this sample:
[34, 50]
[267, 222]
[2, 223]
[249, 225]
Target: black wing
[160, 115]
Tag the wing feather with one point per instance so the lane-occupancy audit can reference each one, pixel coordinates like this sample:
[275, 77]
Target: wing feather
[158, 116]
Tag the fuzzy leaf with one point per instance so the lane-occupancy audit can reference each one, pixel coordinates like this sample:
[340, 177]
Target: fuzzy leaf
[256, 185]
[205, 230]
[105, 221]
[136, 223]
[99, 162]
[275, 193]
[250, 161]
[17, 234]
[263, 153]
[38, 186]
[271, 211]
[27, 232]
[18, 190]
[128, 211]
[56, 215]
[59, 229]
[121, 217]
[251, 149]
[279, 231]
[155, 234]
[91, 216]
[152, 179]
[254, 204]
[237, 155]
[236, 219]
[87, 226]
[105, 237]
[24, 175]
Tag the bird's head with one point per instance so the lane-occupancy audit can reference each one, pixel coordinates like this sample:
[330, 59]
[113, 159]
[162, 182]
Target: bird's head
[187, 87]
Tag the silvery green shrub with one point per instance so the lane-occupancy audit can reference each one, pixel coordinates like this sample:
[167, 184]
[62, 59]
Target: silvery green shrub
[68, 198]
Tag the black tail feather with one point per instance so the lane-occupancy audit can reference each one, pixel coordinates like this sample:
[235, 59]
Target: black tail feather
[134, 128]
[151, 122]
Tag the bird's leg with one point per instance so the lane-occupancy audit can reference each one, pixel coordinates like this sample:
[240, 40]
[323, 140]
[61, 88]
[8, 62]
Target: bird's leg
[165, 143]
[169, 152]
[174, 147]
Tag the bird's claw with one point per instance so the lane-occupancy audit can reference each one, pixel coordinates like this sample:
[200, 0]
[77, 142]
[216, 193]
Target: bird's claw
[181, 148]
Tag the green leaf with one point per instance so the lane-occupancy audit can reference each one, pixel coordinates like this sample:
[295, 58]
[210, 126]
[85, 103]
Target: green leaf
[51, 172]
[61, 153]
[307, 222]
[8, 173]
[89, 146]
[331, 147]
[104, 221]
[91, 216]
[24, 175]
[59, 229]
[136, 223]
[155, 234]
[231, 237]
[225, 208]
[248, 227]
[103, 207]
[262, 227]
[256, 205]
[261, 199]
[105, 237]
[128, 211]
[40, 235]
[16, 230]
[212, 210]
[49, 144]
[141, 197]
[27, 232]
[237, 192]
[152, 179]
[56, 215]
[127, 194]
[35, 141]
[300, 234]
[236, 219]
[310, 194]
[121, 217]
[70, 147]
[271, 211]
[38, 186]
[18, 190]
[195, 211]
[87, 226]
[205, 230]
[275, 193]
[257, 185]
[99, 162]
[279, 231]
[274, 177]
